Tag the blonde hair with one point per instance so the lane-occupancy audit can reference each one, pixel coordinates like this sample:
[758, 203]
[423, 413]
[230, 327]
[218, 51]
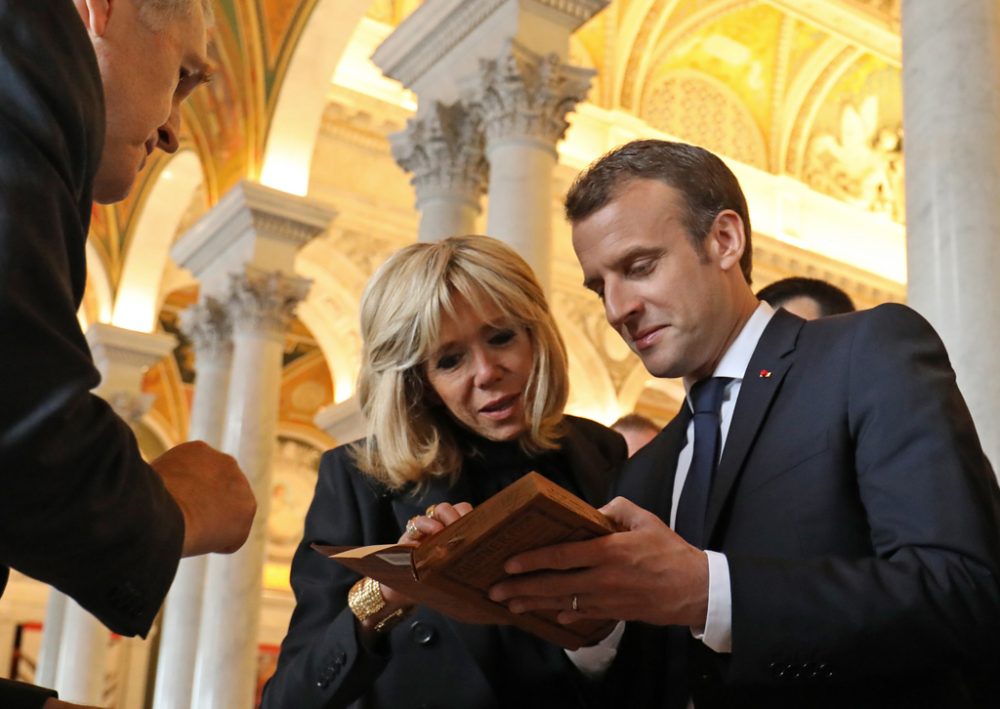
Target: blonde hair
[401, 314]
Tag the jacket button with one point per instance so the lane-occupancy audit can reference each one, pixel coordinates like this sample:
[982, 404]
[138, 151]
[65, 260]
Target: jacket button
[422, 633]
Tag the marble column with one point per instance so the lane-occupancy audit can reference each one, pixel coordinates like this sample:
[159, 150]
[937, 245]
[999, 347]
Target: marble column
[444, 152]
[243, 253]
[951, 111]
[260, 306]
[48, 656]
[122, 357]
[208, 327]
[506, 61]
[523, 101]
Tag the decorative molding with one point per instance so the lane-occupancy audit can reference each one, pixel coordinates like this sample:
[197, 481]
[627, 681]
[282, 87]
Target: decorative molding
[115, 347]
[248, 212]
[444, 150]
[870, 25]
[265, 301]
[130, 405]
[585, 312]
[366, 250]
[123, 357]
[523, 95]
[863, 165]
[436, 28]
[702, 110]
[775, 259]
[343, 421]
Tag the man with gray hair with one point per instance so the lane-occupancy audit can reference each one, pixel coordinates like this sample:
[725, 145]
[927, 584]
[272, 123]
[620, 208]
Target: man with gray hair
[79, 507]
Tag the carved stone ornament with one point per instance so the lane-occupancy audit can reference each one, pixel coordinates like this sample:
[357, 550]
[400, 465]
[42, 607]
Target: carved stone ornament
[129, 405]
[208, 326]
[444, 151]
[265, 301]
[523, 95]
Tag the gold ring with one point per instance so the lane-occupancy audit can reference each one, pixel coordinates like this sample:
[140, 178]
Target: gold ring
[429, 512]
[411, 527]
[575, 605]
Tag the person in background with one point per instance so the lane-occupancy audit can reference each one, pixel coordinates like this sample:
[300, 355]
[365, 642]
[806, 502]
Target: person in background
[809, 298]
[637, 430]
[463, 383]
[88, 90]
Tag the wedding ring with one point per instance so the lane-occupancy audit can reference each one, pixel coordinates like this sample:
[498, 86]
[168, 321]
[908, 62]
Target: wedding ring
[575, 605]
[411, 527]
[429, 512]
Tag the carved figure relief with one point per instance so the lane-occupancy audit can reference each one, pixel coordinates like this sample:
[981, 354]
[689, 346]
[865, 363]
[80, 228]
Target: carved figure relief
[863, 165]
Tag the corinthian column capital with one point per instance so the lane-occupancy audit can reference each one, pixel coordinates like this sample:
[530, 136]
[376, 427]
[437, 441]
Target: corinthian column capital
[523, 95]
[265, 301]
[208, 326]
[443, 149]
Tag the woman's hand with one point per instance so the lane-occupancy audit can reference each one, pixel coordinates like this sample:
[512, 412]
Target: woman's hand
[418, 528]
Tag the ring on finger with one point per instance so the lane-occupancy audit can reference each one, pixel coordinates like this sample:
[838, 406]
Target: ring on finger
[429, 512]
[575, 605]
[411, 527]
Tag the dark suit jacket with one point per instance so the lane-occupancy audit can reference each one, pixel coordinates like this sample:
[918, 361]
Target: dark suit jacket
[79, 509]
[859, 517]
[430, 660]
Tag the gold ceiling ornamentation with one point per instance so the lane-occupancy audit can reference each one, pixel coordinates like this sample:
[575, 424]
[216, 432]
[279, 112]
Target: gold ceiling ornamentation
[585, 312]
[863, 164]
[701, 110]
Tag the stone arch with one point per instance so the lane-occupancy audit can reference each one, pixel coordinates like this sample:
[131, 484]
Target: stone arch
[137, 300]
[799, 92]
[646, 52]
[330, 311]
[302, 95]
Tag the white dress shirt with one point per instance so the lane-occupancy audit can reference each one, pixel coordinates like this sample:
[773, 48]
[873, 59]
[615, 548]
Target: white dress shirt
[718, 631]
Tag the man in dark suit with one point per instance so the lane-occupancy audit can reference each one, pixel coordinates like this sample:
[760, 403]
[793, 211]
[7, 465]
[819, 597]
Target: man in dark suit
[86, 94]
[838, 542]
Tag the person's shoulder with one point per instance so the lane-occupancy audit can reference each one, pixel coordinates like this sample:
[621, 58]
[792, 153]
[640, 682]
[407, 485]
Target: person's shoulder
[339, 466]
[608, 441]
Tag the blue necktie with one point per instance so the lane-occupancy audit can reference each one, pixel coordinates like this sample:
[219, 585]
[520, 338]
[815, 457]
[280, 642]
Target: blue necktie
[706, 400]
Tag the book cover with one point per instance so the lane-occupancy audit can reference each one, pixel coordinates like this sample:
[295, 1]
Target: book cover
[453, 570]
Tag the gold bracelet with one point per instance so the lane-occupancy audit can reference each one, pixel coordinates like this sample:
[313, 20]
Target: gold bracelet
[365, 598]
[390, 620]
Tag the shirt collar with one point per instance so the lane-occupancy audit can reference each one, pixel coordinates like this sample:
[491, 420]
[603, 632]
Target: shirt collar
[736, 359]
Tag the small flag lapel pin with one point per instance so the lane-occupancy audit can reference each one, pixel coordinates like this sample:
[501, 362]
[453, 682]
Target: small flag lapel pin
[765, 374]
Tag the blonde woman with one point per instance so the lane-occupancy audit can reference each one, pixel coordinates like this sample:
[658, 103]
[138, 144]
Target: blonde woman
[463, 384]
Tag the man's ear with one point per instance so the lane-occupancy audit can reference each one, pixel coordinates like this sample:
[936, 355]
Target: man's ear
[95, 14]
[728, 239]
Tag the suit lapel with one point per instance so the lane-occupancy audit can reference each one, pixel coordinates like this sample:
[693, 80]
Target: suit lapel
[771, 360]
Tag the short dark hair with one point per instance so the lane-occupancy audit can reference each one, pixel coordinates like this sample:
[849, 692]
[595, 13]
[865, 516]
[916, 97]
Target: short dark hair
[830, 299]
[706, 183]
[634, 422]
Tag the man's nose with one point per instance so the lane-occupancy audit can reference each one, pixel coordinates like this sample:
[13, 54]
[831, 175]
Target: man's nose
[167, 134]
[620, 305]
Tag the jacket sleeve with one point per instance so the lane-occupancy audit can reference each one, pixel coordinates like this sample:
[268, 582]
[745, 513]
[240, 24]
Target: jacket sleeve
[322, 663]
[17, 695]
[929, 595]
[80, 509]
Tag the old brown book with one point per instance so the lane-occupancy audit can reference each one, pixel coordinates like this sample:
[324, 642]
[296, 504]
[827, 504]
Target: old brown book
[453, 570]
